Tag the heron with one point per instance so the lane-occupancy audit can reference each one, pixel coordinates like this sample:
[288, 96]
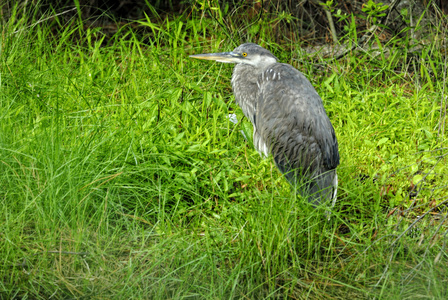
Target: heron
[288, 117]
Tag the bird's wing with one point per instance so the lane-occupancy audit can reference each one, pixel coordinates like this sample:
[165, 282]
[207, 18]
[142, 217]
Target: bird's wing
[292, 121]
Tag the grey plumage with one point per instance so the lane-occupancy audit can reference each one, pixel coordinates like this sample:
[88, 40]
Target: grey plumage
[289, 119]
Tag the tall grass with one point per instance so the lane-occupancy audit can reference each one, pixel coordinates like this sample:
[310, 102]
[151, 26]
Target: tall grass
[122, 177]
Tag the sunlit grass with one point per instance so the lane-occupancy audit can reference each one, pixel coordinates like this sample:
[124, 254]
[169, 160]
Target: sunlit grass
[121, 175]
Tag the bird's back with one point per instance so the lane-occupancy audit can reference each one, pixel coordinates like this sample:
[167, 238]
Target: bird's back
[291, 121]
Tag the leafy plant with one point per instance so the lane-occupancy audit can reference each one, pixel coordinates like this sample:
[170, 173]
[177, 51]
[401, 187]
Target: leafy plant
[374, 10]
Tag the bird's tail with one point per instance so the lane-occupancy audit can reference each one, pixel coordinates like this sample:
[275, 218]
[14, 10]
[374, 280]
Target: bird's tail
[323, 188]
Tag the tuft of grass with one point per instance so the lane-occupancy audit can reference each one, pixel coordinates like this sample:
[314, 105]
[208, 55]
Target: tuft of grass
[121, 175]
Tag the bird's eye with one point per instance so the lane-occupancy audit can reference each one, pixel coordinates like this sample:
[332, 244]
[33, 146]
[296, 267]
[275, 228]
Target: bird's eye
[244, 54]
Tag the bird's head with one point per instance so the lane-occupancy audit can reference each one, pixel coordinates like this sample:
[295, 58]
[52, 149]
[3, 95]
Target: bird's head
[248, 54]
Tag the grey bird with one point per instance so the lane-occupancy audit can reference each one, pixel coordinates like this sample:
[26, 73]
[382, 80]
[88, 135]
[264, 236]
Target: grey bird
[289, 119]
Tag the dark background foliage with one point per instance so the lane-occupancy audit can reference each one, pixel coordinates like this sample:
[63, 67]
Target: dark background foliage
[306, 17]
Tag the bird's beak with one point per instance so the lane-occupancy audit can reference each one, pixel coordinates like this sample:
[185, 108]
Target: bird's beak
[224, 57]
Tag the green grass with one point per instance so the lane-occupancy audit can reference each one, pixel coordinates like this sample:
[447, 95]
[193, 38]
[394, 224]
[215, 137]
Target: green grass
[121, 176]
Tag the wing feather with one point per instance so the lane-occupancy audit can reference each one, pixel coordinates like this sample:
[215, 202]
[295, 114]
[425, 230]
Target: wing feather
[292, 121]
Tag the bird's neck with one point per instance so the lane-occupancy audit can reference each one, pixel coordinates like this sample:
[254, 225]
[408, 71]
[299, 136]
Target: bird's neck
[244, 75]
[245, 88]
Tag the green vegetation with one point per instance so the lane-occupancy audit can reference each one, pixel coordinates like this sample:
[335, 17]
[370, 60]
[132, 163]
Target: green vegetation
[122, 177]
